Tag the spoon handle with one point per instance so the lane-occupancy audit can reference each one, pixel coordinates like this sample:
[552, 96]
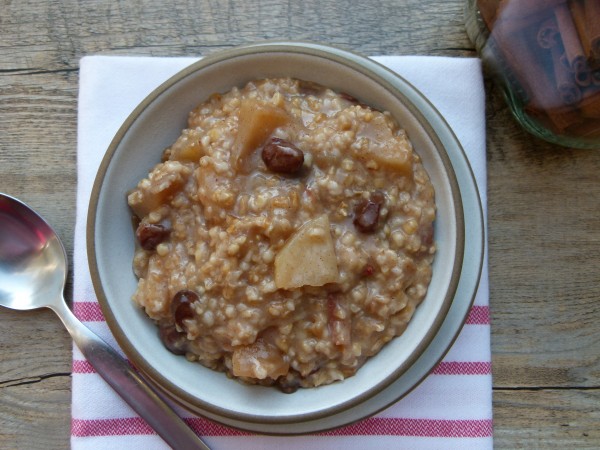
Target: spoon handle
[129, 385]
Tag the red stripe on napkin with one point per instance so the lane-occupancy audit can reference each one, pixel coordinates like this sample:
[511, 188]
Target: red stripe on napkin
[391, 426]
[443, 368]
[375, 426]
[463, 368]
[88, 311]
[479, 315]
[110, 427]
[82, 366]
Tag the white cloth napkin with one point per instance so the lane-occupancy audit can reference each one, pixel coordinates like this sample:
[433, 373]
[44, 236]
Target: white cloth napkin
[451, 409]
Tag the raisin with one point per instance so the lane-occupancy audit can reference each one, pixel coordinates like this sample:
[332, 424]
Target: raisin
[175, 341]
[353, 100]
[281, 156]
[426, 235]
[288, 384]
[366, 213]
[181, 306]
[150, 235]
[288, 388]
[349, 98]
[310, 88]
[368, 270]
[166, 154]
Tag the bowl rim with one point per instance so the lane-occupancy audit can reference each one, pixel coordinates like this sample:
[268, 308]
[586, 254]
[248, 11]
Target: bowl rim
[355, 62]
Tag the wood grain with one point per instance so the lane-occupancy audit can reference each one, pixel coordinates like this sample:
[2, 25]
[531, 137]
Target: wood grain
[36, 415]
[544, 201]
[546, 419]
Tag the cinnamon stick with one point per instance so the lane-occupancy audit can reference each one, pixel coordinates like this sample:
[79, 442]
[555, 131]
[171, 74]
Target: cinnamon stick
[562, 119]
[568, 90]
[556, 119]
[569, 36]
[572, 44]
[537, 47]
[548, 35]
[524, 63]
[592, 14]
[580, 21]
[590, 106]
[583, 76]
[588, 129]
[565, 62]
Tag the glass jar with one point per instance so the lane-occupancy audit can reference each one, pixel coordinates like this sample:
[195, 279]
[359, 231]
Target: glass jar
[545, 54]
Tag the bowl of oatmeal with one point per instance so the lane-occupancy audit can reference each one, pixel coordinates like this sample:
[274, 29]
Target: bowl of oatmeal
[297, 238]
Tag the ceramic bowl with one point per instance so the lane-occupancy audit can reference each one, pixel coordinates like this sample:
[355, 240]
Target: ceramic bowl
[137, 147]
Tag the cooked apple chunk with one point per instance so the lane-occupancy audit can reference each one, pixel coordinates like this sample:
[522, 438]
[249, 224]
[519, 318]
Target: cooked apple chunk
[188, 147]
[161, 185]
[308, 257]
[256, 121]
[392, 151]
[259, 360]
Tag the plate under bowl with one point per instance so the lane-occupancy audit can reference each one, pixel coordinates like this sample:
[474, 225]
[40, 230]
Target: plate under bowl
[158, 121]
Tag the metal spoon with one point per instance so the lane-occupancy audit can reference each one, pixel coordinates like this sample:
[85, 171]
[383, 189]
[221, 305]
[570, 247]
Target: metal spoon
[33, 272]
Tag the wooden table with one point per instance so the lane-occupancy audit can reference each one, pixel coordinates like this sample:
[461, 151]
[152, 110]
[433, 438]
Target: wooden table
[544, 201]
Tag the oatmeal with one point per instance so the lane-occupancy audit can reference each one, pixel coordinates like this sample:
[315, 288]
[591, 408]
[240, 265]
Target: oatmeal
[286, 236]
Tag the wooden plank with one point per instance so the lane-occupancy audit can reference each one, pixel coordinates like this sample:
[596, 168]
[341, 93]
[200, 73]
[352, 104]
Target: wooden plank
[36, 415]
[546, 419]
[34, 344]
[543, 239]
[60, 31]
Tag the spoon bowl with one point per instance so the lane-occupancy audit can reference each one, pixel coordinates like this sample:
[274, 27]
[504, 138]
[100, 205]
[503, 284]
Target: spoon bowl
[33, 272]
[33, 261]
